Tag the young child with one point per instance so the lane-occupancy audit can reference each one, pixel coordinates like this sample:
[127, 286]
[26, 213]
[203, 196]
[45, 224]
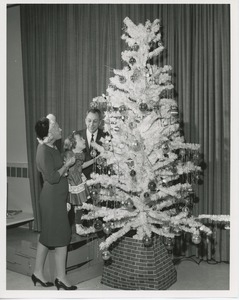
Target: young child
[78, 191]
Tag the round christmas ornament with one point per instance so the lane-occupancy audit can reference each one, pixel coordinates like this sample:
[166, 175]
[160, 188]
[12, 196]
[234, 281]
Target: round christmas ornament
[177, 231]
[165, 148]
[130, 163]
[152, 186]
[166, 228]
[107, 228]
[227, 226]
[143, 106]
[94, 194]
[135, 47]
[106, 255]
[132, 125]
[185, 209]
[112, 225]
[111, 192]
[93, 153]
[122, 109]
[94, 188]
[135, 145]
[174, 111]
[147, 241]
[146, 195]
[196, 157]
[122, 79]
[132, 60]
[122, 202]
[196, 239]
[155, 106]
[164, 182]
[182, 152]
[197, 176]
[98, 224]
[128, 203]
[174, 169]
[169, 243]
[97, 185]
[109, 107]
[135, 75]
[116, 128]
[132, 173]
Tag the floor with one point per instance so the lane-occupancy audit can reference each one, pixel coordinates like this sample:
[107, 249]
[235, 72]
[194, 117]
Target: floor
[190, 276]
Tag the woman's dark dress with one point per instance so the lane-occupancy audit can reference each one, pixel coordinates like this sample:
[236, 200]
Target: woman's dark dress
[55, 226]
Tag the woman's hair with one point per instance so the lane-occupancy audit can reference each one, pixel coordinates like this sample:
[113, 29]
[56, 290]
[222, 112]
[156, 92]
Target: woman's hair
[70, 141]
[42, 128]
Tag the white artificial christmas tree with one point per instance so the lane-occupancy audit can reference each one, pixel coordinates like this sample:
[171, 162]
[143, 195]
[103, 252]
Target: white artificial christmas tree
[148, 170]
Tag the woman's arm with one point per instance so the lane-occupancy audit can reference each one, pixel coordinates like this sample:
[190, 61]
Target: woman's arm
[69, 162]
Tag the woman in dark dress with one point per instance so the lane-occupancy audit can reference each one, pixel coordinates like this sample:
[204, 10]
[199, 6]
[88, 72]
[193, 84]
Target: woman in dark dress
[55, 226]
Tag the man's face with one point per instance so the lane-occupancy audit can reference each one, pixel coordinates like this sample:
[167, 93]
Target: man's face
[92, 122]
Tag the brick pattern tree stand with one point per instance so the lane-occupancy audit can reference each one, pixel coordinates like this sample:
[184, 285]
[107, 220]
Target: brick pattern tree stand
[134, 266]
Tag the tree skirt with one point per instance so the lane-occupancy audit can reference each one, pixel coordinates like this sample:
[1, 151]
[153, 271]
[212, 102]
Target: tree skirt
[134, 266]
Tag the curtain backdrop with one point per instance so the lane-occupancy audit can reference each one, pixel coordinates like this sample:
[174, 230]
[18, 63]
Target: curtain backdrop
[70, 50]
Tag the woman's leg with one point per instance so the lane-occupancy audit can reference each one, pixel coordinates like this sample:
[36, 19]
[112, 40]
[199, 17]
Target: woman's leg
[42, 252]
[60, 261]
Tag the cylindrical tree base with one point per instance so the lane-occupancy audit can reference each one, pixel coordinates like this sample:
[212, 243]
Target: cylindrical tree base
[134, 266]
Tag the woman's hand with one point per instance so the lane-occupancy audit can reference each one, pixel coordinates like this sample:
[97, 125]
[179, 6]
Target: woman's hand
[67, 163]
[68, 207]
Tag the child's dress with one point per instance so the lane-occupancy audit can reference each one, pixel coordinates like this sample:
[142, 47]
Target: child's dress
[78, 191]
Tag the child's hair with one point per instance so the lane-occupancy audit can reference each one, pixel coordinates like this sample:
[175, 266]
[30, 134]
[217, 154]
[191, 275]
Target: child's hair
[70, 141]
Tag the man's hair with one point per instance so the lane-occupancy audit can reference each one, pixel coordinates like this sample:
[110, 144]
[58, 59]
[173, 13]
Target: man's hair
[94, 111]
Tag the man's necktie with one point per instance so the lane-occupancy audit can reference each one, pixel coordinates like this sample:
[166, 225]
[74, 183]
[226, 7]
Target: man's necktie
[92, 140]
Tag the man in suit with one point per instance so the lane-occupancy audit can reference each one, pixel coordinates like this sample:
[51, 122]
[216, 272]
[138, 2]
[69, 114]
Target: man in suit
[92, 132]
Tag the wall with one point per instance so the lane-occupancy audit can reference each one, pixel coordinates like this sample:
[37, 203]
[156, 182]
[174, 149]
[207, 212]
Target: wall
[18, 188]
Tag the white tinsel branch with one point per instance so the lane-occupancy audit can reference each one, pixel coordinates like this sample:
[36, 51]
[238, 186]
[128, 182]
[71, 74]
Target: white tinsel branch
[84, 230]
[114, 237]
[217, 218]
[160, 232]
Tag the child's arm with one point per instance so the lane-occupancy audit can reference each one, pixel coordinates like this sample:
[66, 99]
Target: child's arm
[88, 163]
[92, 161]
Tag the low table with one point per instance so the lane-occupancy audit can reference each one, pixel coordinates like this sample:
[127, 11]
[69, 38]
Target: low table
[19, 218]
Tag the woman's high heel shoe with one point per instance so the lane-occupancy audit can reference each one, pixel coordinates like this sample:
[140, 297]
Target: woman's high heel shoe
[44, 284]
[60, 285]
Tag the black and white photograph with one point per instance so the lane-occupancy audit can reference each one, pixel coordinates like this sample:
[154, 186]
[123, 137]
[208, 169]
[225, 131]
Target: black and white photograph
[120, 165]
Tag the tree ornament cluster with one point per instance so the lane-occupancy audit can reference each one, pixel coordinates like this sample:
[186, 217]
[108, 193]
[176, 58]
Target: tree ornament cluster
[148, 172]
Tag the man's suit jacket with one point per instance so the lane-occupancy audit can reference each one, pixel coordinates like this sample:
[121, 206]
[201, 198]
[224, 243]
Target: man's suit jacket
[87, 171]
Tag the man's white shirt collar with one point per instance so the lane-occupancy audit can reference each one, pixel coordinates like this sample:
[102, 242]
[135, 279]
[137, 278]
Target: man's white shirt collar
[89, 135]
